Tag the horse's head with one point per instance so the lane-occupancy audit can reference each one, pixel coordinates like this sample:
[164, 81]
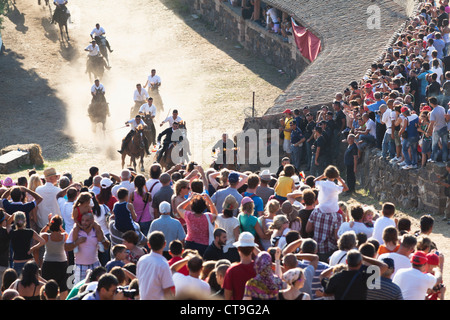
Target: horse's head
[182, 124]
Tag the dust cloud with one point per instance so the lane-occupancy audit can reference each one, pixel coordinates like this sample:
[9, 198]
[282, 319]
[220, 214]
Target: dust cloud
[141, 40]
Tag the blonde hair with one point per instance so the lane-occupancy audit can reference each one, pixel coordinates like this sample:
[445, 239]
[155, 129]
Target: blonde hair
[224, 173]
[180, 184]
[20, 219]
[272, 206]
[278, 222]
[35, 181]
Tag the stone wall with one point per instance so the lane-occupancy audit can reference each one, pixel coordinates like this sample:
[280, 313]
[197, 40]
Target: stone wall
[254, 38]
[412, 189]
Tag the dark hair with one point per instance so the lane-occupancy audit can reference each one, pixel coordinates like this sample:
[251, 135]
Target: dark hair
[119, 273]
[29, 274]
[291, 236]
[122, 193]
[198, 204]
[354, 258]
[426, 223]
[309, 246]
[156, 240]
[309, 180]
[309, 197]
[9, 276]
[357, 212]
[404, 224]
[409, 241]
[388, 209]
[97, 273]
[118, 248]
[246, 251]
[106, 281]
[93, 171]
[253, 181]
[131, 237]
[289, 170]
[56, 223]
[51, 289]
[197, 186]
[195, 263]
[155, 171]
[96, 210]
[16, 194]
[218, 232]
[361, 238]
[130, 267]
[390, 234]
[375, 243]
[331, 172]
[367, 249]
[104, 195]
[139, 184]
[176, 247]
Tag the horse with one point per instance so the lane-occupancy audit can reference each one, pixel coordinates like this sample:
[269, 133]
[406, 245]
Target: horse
[135, 149]
[166, 160]
[101, 41]
[150, 130]
[61, 16]
[95, 66]
[98, 110]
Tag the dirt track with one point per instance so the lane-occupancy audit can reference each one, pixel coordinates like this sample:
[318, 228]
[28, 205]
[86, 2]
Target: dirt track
[209, 79]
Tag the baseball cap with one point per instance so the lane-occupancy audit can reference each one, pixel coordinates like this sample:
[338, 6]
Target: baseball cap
[404, 109]
[164, 207]
[419, 258]
[233, 177]
[389, 262]
[368, 85]
[287, 111]
[433, 259]
[106, 183]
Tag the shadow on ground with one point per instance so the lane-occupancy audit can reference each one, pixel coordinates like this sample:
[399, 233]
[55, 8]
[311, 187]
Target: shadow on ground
[232, 48]
[32, 114]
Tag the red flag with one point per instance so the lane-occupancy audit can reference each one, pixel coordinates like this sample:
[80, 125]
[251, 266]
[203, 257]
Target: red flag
[308, 44]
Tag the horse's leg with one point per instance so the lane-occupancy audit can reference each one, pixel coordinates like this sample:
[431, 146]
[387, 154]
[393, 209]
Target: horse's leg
[67, 31]
[123, 159]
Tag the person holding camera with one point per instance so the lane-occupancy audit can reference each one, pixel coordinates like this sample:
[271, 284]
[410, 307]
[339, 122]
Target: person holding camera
[107, 289]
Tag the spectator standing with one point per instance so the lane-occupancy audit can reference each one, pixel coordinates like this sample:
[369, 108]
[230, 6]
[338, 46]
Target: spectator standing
[234, 179]
[190, 284]
[387, 290]
[230, 224]
[401, 256]
[29, 284]
[438, 131]
[163, 194]
[238, 274]
[125, 177]
[16, 203]
[170, 227]
[153, 271]
[351, 162]
[55, 259]
[386, 220]
[5, 229]
[415, 281]
[263, 190]
[252, 184]
[48, 193]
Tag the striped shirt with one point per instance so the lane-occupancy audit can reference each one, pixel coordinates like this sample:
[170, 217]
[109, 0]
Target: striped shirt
[325, 225]
[316, 283]
[388, 291]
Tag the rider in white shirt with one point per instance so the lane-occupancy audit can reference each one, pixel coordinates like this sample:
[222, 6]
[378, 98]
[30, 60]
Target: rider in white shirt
[171, 119]
[140, 95]
[148, 108]
[153, 81]
[134, 123]
[93, 49]
[98, 32]
[58, 4]
[97, 86]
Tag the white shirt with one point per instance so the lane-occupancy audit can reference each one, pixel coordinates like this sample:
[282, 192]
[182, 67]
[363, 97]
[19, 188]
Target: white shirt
[328, 196]
[413, 283]
[228, 224]
[49, 203]
[94, 50]
[96, 190]
[94, 88]
[272, 12]
[386, 119]
[134, 124]
[338, 257]
[101, 220]
[171, 120]
[124, 184]
[371, 125]
[66, 208]
[143, 96]
[189, 283]
[154, 275]
[98, 32]
[400, 261]
[145, 108]
[155, 79]
[380, 224]
[358, 227]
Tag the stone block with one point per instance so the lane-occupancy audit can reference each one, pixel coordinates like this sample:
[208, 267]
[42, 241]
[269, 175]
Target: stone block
[12, 160]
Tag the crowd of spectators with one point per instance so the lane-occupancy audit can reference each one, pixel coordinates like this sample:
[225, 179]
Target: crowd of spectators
[254, 235]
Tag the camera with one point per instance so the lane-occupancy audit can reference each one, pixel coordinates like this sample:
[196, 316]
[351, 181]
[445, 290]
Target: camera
[127, 293]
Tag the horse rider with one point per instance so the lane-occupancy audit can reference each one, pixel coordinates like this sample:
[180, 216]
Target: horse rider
[97, 88]
[222, 146]
[167, 140]
[60, 4]
[153, 81]
[99, 32]
[140, 96]
[93, 52]
[134, 123]
[172, 119]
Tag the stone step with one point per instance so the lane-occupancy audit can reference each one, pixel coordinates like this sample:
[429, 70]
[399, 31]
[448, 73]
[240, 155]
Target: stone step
[13, 160]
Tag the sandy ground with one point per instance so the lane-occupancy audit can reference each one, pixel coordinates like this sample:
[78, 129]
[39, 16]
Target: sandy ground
[44, 92]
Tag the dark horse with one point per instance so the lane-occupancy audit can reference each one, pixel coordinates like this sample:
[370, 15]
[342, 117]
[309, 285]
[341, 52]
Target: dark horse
[95, 66]
[149, 130]
[98, 110]
[135, 149]
[167, 161]
[61, 16]
[101, 41]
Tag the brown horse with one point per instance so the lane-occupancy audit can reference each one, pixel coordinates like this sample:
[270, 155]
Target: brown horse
[150, 130]
[166, 160]
[135, 149]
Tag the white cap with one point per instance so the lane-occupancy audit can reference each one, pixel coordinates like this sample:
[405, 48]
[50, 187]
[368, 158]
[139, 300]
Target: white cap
[164, 207]
[106, 183]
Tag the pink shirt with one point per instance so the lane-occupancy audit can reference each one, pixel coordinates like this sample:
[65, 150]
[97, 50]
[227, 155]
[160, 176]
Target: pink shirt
[87, 251]
[197, 228]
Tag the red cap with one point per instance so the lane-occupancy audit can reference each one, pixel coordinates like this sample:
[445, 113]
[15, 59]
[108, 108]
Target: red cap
[403, 109]
[433, 259]
[287, 111]
[419, 258]
[426, 108]
[368, 85]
